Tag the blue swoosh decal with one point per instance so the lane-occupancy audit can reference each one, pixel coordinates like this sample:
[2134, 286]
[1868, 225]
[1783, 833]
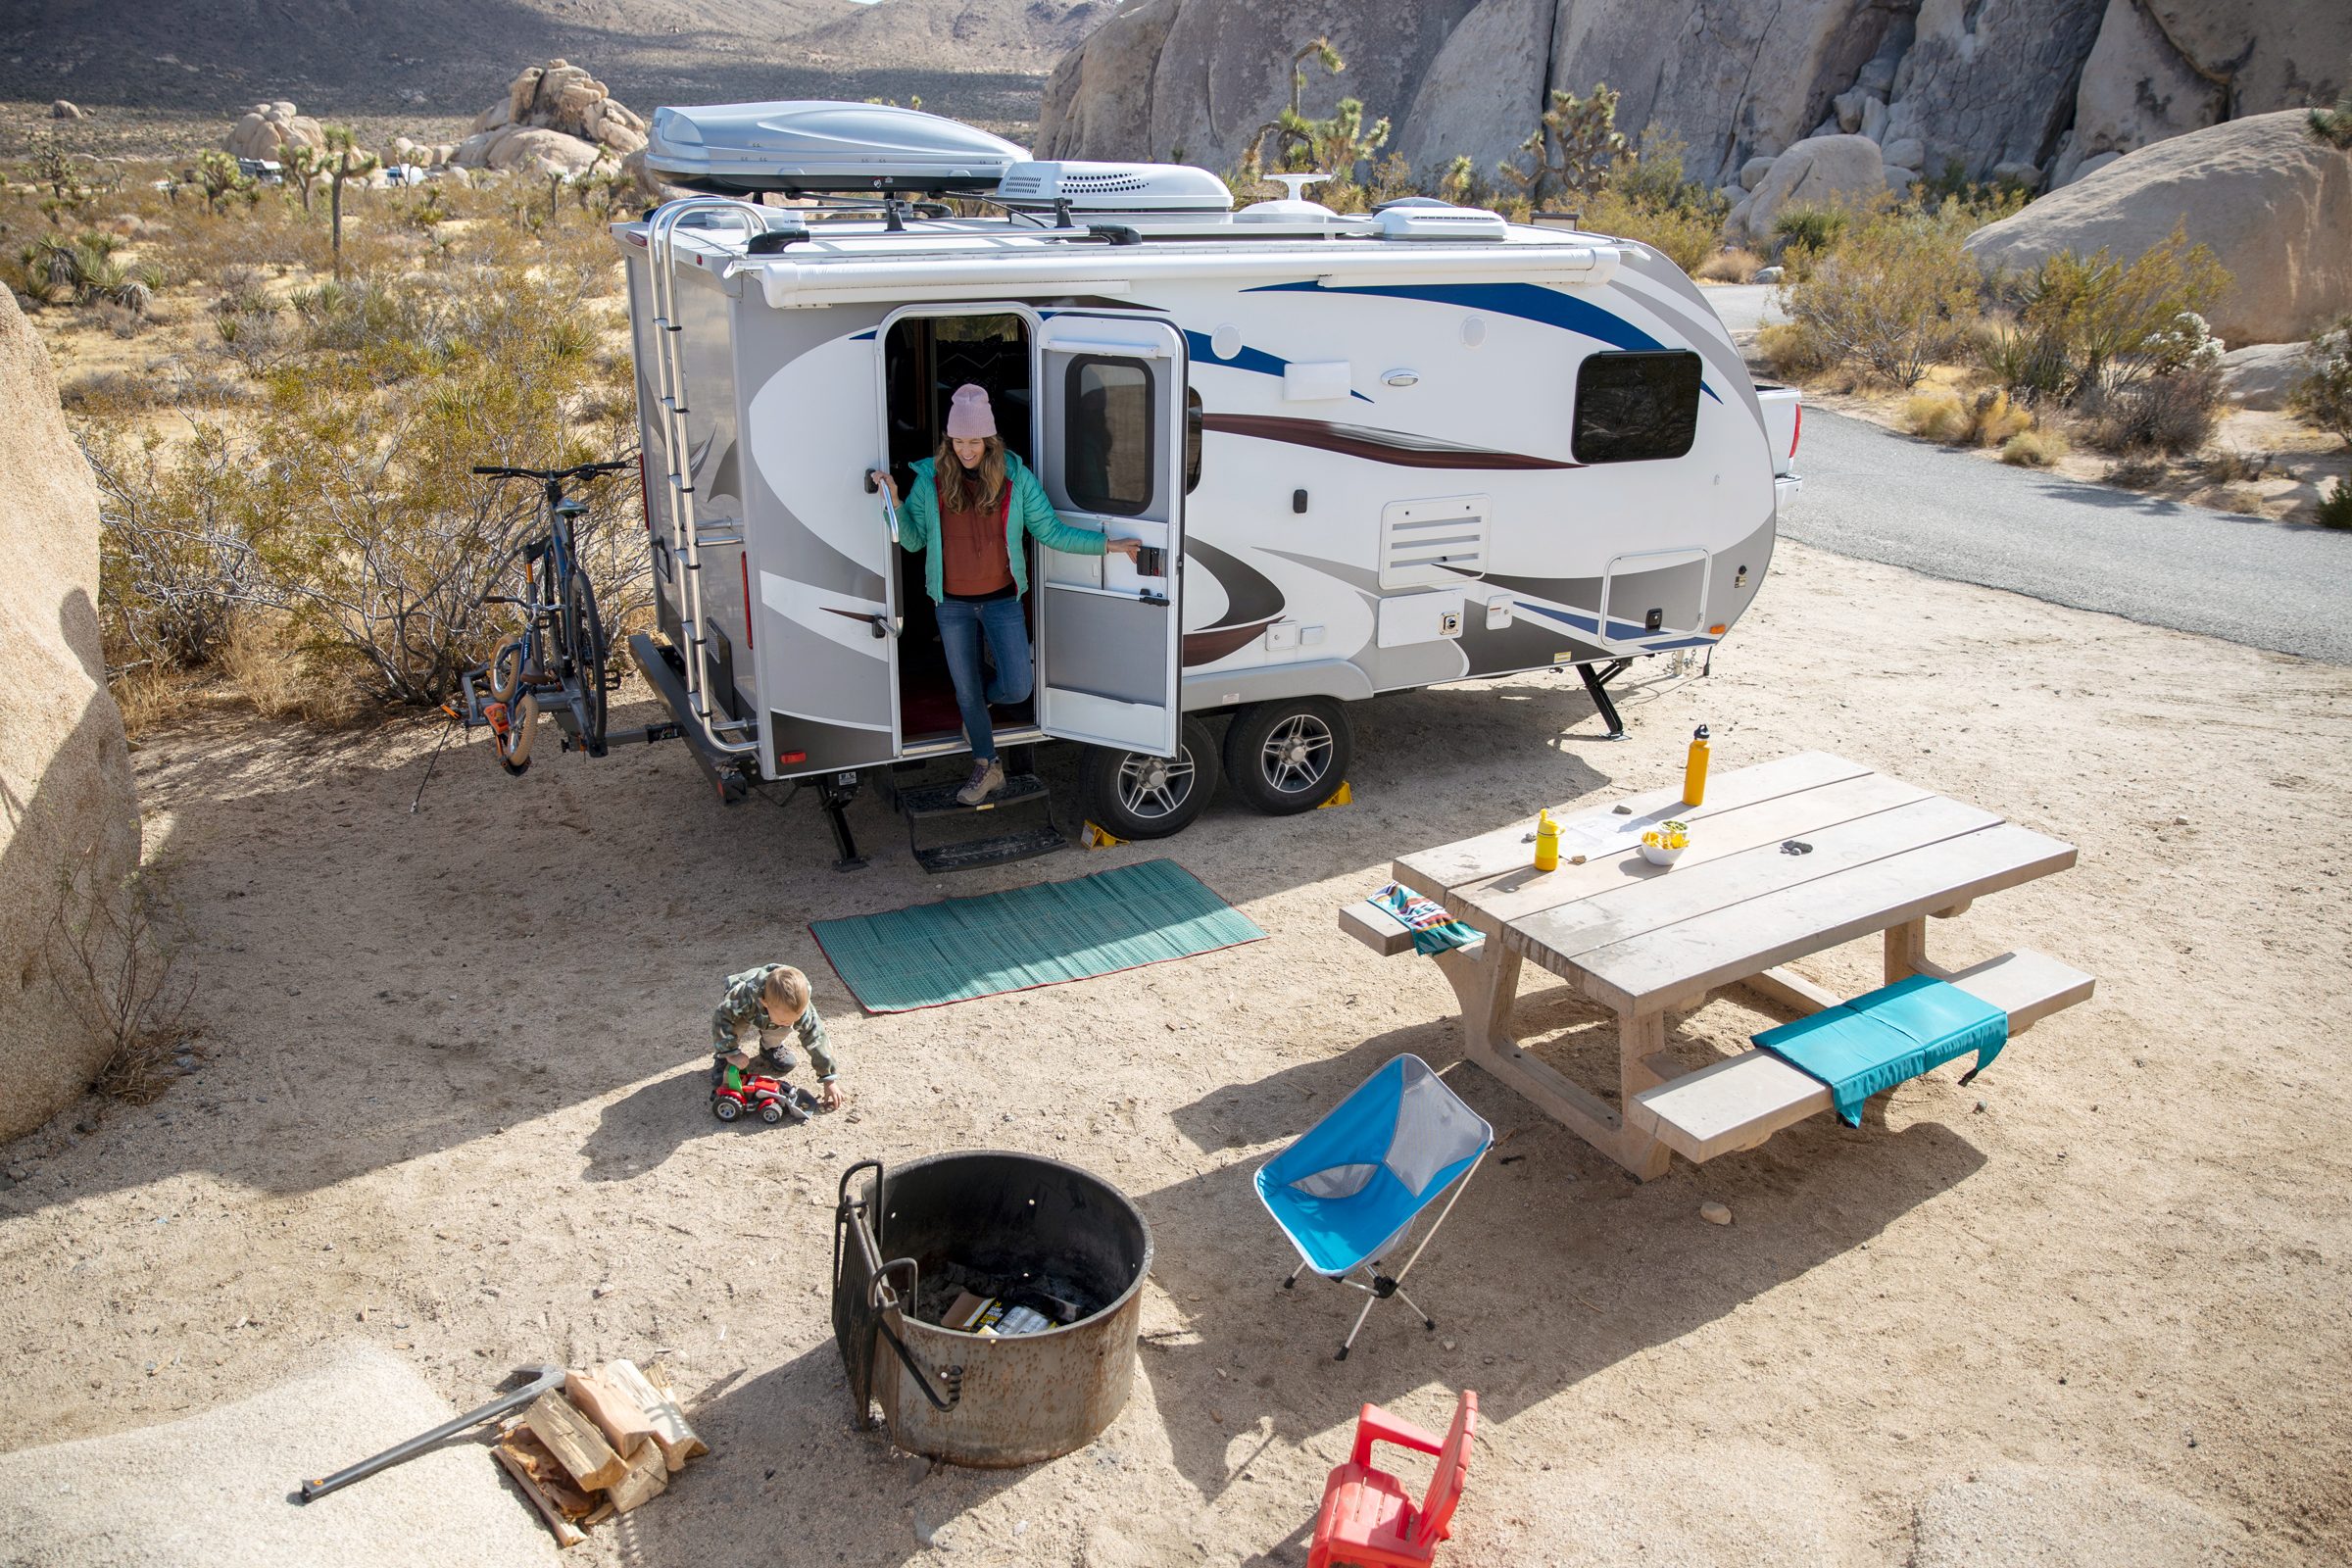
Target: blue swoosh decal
[1527, 301]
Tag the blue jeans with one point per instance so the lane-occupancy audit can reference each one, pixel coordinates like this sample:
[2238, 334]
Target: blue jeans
[961, 623]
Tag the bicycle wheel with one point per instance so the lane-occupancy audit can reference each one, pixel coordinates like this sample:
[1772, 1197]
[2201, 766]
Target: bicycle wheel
[585, 631]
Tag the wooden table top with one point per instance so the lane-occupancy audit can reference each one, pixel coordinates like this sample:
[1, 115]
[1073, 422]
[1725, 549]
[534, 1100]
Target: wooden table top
[1641, 938]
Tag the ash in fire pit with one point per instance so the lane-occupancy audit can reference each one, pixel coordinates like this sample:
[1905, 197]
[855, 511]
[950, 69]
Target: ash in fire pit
[1014, 1229]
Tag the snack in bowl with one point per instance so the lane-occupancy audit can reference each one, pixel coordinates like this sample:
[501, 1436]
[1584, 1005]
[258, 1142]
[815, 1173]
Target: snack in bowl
[1664, 843]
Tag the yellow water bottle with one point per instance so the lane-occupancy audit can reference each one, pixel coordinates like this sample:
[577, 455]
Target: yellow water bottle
[1548, 843]
[1695, 771]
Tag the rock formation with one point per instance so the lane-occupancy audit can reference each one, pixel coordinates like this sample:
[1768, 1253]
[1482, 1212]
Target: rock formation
[267, 130]
[2029, 90]
[67, 800]
[1818, 172]
[64, 109]
[2272, 204]
[556, 117]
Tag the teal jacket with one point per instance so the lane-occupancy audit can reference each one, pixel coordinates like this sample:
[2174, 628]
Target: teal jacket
[1030, 513]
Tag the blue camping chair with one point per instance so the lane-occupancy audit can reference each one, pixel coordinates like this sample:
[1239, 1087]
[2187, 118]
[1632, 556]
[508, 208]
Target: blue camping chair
[1350, 1187]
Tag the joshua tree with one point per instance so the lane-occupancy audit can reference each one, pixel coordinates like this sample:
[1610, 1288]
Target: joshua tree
[344, 160]
[304, 164]
[1584, 131]
[218, 178]
[1291, 129]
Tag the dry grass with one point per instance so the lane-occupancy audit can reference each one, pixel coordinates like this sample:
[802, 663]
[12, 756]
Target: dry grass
[2034, 449]
[152, 696]
[1734, 264]
[1938, 415]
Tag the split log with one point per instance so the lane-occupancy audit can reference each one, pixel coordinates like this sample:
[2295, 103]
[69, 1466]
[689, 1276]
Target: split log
[648, 1478]
[574, 1441]
[621, 1420]
[567, 1532]
[527, 1450]
[676, 1438]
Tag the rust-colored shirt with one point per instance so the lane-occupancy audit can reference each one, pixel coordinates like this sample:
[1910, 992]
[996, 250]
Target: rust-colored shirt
[973, 564]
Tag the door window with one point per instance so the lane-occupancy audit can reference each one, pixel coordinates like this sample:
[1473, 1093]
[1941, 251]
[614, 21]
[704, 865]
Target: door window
[1636, 408]
[1107, 440]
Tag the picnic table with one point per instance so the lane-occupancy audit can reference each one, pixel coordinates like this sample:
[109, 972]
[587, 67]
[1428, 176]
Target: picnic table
[1787, 859]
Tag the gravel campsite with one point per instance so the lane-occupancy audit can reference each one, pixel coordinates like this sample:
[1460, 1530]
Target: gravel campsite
[450, 1103]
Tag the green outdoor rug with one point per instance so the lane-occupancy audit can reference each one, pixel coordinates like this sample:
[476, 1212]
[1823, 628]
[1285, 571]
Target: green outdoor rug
[936, 953]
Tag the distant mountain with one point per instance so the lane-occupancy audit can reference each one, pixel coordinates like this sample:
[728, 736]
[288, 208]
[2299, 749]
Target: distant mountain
[453, 56]
[952, 34]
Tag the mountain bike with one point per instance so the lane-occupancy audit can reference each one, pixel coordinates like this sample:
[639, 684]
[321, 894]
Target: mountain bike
[559, 659]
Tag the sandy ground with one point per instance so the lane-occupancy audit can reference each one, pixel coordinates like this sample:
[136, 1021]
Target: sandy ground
[2091, 1308]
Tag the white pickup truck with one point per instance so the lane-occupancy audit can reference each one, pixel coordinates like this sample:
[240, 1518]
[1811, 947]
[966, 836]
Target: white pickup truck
[1783, 424]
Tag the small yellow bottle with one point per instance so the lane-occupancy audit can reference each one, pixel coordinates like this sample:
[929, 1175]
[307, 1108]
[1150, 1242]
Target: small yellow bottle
[1694, 770]
[1547, 842]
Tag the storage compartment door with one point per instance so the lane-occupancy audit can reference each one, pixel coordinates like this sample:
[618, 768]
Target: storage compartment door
[1110, 396]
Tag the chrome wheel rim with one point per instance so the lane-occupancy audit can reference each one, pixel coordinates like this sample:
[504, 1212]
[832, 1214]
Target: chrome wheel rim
[1152, 789]
[1296, 755]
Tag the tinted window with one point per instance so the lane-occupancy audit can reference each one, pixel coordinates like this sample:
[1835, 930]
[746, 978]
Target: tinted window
[1192, 440]
[1636, 408]
[1107, 455]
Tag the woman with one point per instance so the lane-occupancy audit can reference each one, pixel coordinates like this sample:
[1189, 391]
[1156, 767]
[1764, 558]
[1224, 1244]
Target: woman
[971, 506]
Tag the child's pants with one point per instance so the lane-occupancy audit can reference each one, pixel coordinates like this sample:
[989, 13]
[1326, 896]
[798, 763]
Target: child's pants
[774, 1044]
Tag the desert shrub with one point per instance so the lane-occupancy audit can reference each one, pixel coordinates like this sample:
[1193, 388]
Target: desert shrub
[1792, 350]
[2172, 412]
[2034, 449]
[1734, 264]
[114, 954]
[2335, 506]
[2323, 393]
[1994, 418]
[1890, 299]
[2028, 364]
[2101, 325]
[1812, 228]
[2233, 466]
[180, 545]
[1937, 413]
[1684, 235]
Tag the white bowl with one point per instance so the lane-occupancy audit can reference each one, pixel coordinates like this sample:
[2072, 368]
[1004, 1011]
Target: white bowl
[1657, 857]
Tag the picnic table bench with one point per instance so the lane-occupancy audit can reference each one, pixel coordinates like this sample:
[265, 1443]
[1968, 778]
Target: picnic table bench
[1787, 859]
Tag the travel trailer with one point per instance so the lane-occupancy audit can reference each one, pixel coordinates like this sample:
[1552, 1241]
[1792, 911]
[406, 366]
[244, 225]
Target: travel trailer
[1364, 452]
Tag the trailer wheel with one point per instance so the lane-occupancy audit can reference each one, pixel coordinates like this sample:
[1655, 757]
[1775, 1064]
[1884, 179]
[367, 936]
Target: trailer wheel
[1134, 794]
[1289, 754]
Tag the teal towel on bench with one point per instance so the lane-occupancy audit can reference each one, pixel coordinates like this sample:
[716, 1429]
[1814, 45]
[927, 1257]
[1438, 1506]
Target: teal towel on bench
[1888, 1037]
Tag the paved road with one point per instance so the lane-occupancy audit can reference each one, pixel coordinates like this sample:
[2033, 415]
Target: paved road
[1885, 497]
[1744, 307]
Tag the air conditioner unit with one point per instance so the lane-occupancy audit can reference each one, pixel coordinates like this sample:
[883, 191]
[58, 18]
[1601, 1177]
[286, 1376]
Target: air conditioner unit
[1412, 219]
[1114, 188]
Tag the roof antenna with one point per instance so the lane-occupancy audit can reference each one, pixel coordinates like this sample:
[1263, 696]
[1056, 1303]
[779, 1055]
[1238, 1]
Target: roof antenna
[1295, 185]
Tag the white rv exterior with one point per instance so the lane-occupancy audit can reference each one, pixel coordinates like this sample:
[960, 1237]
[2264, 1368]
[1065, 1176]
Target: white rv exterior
[1377, 453]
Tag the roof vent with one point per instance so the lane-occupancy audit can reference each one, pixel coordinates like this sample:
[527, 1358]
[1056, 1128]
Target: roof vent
[1292, 208]
[1440, 221]
[1114, 188]
[819, 145]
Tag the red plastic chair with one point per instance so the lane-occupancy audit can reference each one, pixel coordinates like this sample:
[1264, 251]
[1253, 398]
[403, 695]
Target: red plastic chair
[1366, 1517]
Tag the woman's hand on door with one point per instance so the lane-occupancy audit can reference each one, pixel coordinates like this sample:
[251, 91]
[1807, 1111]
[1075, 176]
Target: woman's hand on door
[881, 479]
[1122, 547]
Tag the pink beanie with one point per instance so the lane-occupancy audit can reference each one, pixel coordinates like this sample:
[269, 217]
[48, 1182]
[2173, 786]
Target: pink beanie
[968, 414]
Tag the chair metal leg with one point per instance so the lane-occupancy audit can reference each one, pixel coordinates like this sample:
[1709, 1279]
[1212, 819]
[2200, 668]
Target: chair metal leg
[1349, 1343]
[1427, 1322]
[1294, 1273]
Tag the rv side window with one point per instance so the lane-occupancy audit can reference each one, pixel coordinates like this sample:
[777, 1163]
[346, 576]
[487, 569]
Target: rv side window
[1636, 408]
[1192, 440]
[1107, 442]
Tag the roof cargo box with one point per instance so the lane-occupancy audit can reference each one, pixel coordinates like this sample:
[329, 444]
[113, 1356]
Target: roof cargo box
[813, 145]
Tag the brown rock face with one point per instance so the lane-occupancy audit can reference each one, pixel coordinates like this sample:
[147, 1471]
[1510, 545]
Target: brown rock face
[554, 117]
[1818, 172]
[2273, 205]
[267, 130]
[67, 797]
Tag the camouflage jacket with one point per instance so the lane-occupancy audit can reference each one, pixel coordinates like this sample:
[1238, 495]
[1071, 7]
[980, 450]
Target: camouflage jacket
[742, 1012]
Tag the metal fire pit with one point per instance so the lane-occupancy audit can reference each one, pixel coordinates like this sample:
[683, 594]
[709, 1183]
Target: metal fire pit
[1035, 1224]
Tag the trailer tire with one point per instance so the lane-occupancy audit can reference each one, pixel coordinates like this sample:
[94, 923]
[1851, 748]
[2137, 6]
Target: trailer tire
[1288, 755]
[1125, 794]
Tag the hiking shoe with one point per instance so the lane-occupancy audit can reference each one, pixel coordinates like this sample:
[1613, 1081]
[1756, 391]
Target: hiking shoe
[986, 778]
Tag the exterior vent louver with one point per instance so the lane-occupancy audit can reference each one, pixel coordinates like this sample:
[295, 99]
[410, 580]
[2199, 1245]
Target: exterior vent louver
[1425, 544]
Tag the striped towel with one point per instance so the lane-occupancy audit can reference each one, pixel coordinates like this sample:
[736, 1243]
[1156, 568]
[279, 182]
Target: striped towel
[1433, 929]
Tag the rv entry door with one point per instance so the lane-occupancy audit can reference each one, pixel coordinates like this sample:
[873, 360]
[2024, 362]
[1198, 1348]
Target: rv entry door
[1110, 400]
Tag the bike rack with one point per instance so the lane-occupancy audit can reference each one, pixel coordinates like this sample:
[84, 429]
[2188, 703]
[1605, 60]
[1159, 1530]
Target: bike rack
[670, 385]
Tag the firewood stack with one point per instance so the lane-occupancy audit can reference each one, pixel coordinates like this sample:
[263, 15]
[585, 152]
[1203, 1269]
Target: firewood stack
[610, 1441]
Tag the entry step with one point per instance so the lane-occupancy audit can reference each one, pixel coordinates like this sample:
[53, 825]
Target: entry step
[1001, 850]
[939, 800]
